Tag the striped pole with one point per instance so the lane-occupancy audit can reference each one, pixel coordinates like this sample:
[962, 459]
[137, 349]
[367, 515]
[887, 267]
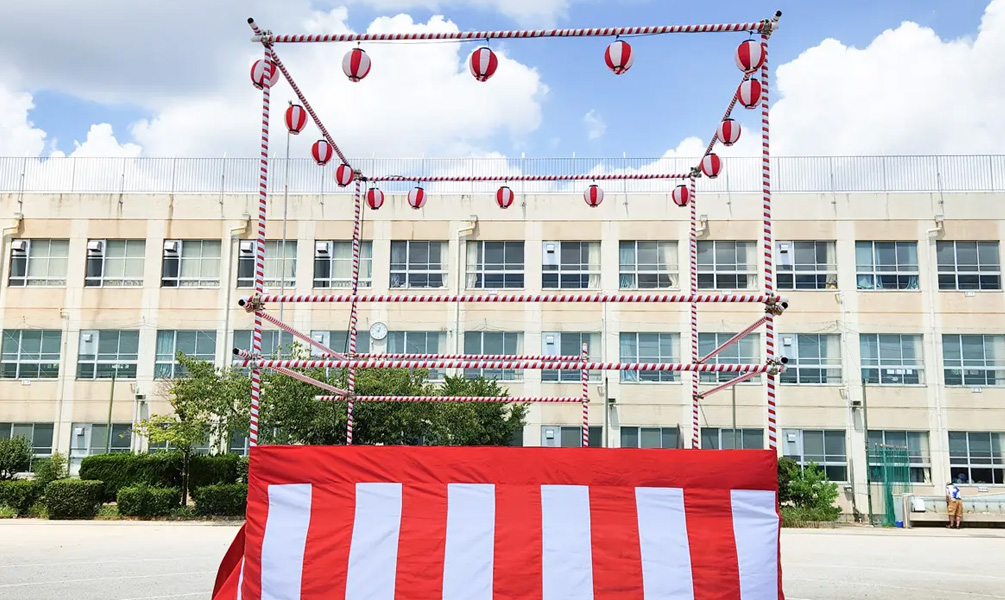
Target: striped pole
[693, 257]
[475, 178]
[466, 399]
[595, 298]
[554, 365]
[300, 376]
[353, 311]
[576, 359]
[586, 397]
[769, 246]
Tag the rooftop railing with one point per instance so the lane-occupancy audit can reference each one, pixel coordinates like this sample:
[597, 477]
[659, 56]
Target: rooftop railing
[947, 173]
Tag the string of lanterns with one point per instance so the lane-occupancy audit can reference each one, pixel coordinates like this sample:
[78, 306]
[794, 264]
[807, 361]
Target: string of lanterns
[483, 63]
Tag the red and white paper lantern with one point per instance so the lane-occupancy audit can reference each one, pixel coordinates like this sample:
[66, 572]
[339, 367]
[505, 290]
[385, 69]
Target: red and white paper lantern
[619, 57]
[750, 55]
[343, 175]
[681, 195]
[417, 197]
[593, 195]
[296, 119]
[355, 64]
[728, 132]
[711, 165]
[264, 73]
[483, 63]
[322, 152]
[374, 198]
[504, 197]
[749, 93]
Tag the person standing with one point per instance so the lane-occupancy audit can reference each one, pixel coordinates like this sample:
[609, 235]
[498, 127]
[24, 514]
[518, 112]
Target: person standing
[954, 505]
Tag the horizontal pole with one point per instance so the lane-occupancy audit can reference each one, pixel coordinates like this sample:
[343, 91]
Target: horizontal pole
[503, 34]
[466, 178]
[499, 364]
[558, 298]
[576, 359]
[516, 399]
[300, 376]
[729, 383]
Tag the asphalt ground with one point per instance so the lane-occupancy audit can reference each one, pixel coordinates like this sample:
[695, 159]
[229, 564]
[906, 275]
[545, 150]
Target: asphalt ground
[115, 560]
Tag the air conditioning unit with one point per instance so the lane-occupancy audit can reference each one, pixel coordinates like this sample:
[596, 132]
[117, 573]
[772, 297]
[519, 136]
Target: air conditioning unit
[172, 245]
[247, 247]
[19, 245]
[550, 255]
[95, 246]
[322, 248]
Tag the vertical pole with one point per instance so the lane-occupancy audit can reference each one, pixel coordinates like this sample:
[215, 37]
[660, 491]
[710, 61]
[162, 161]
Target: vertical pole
[586, 397]
[865, 426]
[263, 195]
[693, 257]
[769, 250]
[111, 401]
[733, 389]
[353, 311]
[286, 201]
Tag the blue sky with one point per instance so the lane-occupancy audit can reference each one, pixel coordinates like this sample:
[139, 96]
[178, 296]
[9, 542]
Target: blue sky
[677, 88]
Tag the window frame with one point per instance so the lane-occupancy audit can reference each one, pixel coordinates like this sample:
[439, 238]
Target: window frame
[827, 465]
[569, 375]
[406, 271]
[273, 260]
[272, 339]
[751, 340]
[554, 268]
[672, 341]
[788, 270]
[596, 436]
[174, 368]
[477, 269]
[98, 258]
[993, 462]
[338, 340]
[826, 365]
[986, 371]
[713, 270]
[7, 431]
[330, 253]
[625, 431]
[130, 365]
[635, 270]
[173, 259]
[881, 366]
[510, 339]
[19, 361]
[25, 250]
[409, 338]
[720, 434]
[875, 270]
[920, 469]
[949, 275]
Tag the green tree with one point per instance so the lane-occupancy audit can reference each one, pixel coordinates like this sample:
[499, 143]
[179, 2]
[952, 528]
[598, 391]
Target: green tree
[810, 490]
[786, 467]
[15, 457]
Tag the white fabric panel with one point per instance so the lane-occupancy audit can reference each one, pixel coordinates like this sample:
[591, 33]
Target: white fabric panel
[567, 553]
[470, 545]
[284, 540]
[755, 527]
[666, 555]
[373, 551]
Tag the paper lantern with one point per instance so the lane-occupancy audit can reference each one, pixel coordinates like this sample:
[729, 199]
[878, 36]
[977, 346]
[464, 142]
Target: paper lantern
[343, 175]
[296, 119]
[749, 93]
[264, 73]
[322, 152]
[619, 57]
[504, 197]
[374, 198]
[711, 165]
[681, 195]
[728, 132]
[483, 63]
[750, 55]
[593, 195]
[417, 197]
[355, 64]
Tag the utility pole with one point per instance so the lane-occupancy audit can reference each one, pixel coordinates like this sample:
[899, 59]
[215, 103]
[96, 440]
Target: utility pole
[733, 389]
[865, 426]
[111, 402]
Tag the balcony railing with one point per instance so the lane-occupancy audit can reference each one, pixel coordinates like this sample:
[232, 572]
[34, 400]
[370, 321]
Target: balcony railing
[972, 173]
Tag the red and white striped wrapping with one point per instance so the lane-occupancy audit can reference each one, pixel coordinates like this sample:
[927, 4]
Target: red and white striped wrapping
[619, 57]
[483, 63]
[469, 178]
[356, 64]
[768, 245]
[320, 363]
[503, 34]
[470, 357]
[299, 334]
[357, 206]
[507, 298]
[296, 118]
[469, 523]
[300, 376]
[465, 399]
[693, 259]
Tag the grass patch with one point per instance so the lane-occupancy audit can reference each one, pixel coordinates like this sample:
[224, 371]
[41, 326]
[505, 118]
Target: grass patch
[7, 512]
[108, 511]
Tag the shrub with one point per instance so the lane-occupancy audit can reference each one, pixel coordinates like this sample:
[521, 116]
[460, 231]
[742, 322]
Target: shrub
[221, 500]
[50, 469]
[15, 457]
[159, 469]
[144, 501]
[73, 498]
[244, 470]
[38, 510]
[213, 470]
[786, 467]
[7, 512]
[19, 495]
[797, 516]
[809, 489]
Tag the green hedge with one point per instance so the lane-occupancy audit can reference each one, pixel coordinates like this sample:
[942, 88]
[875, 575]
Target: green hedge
[160, 469]
[144, 501]
[73, 498]
[19, 494]
[221, 500]
[213, 470]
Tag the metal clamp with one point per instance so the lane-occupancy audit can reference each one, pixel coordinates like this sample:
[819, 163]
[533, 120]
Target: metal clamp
[253, 304]
[775, 308]
[777, 365]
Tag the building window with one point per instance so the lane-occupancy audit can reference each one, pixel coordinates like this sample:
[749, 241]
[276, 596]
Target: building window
[650, 437]
[239, 444]
[569, 343]
[570, 265]
[200, 345]
[726, 265]
[743, 352]
[509, 343]
[107, 351]
[649, 348]
[339, 341]
[39, 435]
[495, 265]
[807, 265]
[886, 265]
[974, 359]
[191, 263]
[892, 359]
[38, 263]
[648, 265]
[976, 457]
[88, 439]
[30, 353]
[115, 263]
[275, 344]
[716, 438]
[969, 266]
[201, 448]
[417, 264]
[280, 264]
[570, 436]
[915, 443]
[417, 342]
[333, 264]
[825, 448]
[813, 358]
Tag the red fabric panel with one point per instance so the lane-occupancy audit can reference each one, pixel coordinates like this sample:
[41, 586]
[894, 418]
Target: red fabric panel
[328, 540]
[421, 542]
[517, 561]
[617, 558]
[710, 537]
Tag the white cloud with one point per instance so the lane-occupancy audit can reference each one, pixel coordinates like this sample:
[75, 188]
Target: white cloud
[595, 126]
[18, 135]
